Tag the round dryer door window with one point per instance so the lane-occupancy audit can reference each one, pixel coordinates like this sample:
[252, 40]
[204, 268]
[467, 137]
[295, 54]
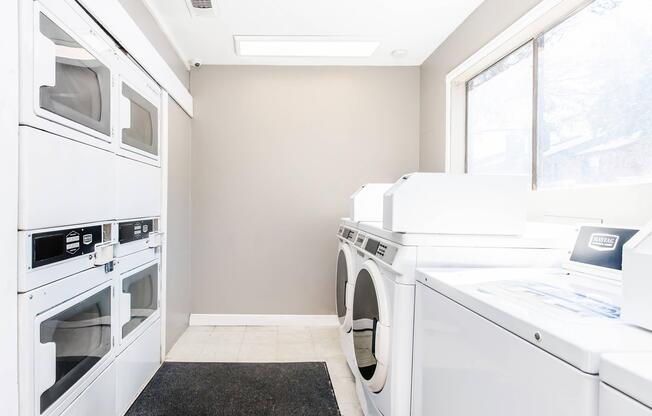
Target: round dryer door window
[343, 268]
[370, 326]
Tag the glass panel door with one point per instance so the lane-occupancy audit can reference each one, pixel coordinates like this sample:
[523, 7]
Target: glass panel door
[81, 91]
[141, 288]
[365, 324]
[82, 335]
[342, 279]
[142, 130]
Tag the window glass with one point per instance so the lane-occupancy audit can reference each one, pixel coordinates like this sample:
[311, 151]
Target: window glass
[82, 334]
[82, 83]
[143, 288]
[342, 280]
[365, 321]
[499, 116]
[142, 132]
[595, 97]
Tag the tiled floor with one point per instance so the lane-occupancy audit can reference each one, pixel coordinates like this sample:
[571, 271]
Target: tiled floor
[272, 344]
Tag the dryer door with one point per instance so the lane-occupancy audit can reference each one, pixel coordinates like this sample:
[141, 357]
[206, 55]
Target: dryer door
[345, 270]
[371, 331]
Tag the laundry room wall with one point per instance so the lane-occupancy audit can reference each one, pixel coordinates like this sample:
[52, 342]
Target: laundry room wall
[179, 215]
[487, 21]
[147, 23]
[276, 153]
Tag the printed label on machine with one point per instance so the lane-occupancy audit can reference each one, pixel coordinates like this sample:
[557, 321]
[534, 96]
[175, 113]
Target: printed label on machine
[581, 305]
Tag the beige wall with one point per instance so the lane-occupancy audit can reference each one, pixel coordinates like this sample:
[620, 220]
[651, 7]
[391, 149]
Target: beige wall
[276, 153]
[487, 21]
[143, 18]
[178, 233]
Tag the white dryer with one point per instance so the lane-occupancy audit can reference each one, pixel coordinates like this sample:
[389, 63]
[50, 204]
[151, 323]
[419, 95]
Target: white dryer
[626, 384]
[508, 342]
[383, 296]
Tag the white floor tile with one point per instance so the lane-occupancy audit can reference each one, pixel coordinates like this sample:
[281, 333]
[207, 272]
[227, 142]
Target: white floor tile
[297, 352]
[200, 329]
[218, 338]
[223, 353]
[345, 390]
[339, 368]
[257, 353]
[267, 338]
[221, 329]
[350, 409]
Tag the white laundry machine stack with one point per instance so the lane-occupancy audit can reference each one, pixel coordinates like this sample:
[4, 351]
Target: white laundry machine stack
[89, 159]
[528, 341]
[382, 292]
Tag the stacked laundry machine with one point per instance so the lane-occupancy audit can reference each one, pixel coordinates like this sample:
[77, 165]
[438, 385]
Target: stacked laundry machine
[482, 223]
[89, 229]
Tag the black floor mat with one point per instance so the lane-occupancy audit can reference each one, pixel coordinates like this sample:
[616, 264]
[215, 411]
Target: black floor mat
[226, 389]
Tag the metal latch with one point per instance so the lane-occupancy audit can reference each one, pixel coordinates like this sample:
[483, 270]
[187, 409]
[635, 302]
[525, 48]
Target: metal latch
[103, 253]
[155, 240]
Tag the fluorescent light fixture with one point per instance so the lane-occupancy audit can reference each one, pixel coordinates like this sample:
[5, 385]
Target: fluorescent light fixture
[304, 46]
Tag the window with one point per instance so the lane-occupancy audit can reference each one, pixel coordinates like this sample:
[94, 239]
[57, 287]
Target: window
[593, 105]
[499, 116]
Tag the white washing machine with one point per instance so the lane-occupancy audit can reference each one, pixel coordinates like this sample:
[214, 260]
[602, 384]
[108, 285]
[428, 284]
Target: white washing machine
[626, 384]
[383, 296]
[508, 342]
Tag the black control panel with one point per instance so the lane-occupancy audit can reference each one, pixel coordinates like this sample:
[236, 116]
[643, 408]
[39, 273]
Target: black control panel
[601, 246]
[54, 246]
[372, 246]
[134, 230]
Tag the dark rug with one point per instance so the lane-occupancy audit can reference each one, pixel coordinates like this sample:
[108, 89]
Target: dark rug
[221, 389]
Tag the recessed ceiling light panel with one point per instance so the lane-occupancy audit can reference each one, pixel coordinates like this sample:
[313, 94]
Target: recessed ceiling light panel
[304, 46]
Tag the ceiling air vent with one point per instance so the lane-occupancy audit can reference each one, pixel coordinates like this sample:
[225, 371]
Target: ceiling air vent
[201, 8]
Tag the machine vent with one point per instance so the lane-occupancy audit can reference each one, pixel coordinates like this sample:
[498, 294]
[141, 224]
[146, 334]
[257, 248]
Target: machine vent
[202, 4]
[201, 8]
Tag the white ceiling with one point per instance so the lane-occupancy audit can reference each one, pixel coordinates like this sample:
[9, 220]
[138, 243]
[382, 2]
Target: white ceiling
[418, 26]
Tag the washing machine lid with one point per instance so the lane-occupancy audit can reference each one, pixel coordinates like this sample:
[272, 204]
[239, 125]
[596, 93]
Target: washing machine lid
[573, 317]
[630, 373]
[537, 235]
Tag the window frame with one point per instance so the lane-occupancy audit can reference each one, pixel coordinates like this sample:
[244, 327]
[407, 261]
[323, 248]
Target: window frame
[553, 20]
[624, 204]
[540, 19]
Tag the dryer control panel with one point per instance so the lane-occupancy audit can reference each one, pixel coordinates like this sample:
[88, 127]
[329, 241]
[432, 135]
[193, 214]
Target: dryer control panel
[383, 251]
[347, 233]
[54, 246]
[135, 230]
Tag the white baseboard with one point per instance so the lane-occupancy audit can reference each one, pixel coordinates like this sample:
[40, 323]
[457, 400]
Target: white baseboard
[199, 319]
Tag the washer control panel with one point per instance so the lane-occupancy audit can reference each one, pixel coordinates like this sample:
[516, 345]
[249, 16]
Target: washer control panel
[383, 251]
